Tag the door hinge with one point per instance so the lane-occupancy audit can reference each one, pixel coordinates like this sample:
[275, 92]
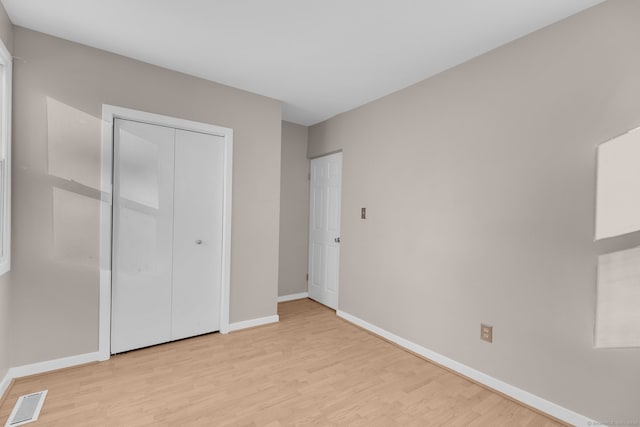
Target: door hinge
[307, 277]
[309, 177]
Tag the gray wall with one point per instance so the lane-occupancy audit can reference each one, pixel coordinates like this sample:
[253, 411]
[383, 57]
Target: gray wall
[480, 189]
[6, 34]
[294, 210]
[4, 325]
[6, 28]
[59, 89]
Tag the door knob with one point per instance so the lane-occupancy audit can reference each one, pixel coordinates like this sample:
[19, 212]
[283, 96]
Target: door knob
[198, 242]
[337, 240]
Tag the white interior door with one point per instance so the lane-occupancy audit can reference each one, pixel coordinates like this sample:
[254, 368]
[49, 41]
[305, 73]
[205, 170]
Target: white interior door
[142, 235]
[198, 213]
[324, 229]
[167, 234]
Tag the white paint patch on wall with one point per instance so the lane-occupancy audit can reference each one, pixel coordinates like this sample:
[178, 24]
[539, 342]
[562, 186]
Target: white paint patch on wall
[618, 197]
[618, 301]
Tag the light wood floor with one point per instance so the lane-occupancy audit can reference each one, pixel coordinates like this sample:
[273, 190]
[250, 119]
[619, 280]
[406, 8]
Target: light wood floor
[311, 369]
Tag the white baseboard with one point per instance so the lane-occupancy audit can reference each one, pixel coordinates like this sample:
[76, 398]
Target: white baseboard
[520, 395]
[253, 322]
[41, 367]
[5, 383]
[52, 365]
[80, 359]
[291, 297]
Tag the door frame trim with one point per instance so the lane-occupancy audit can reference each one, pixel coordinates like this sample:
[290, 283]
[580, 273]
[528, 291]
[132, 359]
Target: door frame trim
[109, 113]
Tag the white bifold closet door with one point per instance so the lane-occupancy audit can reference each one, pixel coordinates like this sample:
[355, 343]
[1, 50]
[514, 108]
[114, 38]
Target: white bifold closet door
[167, 234]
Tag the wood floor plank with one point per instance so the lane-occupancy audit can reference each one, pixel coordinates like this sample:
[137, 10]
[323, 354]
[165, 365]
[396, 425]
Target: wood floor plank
[310, 369]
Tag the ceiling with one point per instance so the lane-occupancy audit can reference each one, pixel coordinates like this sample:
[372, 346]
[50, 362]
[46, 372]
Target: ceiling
[319, 57]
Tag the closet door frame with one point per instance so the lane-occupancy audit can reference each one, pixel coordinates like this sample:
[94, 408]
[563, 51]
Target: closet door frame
[109, 114]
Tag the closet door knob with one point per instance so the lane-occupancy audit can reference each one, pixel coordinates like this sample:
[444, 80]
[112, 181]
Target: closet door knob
[198, 242]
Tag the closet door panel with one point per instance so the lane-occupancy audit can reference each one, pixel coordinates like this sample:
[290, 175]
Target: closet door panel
[142, 235]
[197, 256]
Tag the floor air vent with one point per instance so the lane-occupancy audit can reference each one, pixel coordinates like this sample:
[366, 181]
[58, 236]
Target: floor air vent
[27, 409]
